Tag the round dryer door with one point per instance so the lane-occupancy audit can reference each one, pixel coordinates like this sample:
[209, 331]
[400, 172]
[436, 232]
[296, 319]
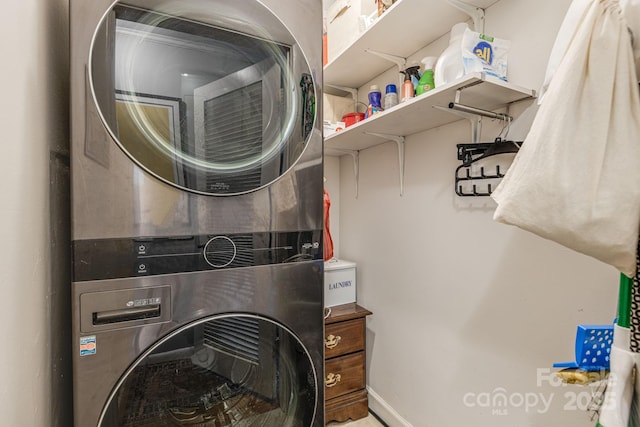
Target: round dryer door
[211, 96]
[238, 370]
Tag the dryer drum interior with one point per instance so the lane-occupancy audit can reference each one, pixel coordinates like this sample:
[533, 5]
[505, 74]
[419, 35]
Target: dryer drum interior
[210, 104]
[226, 370]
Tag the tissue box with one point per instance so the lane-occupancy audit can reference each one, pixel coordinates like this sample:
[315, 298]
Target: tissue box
[331, 128]
[339, 282]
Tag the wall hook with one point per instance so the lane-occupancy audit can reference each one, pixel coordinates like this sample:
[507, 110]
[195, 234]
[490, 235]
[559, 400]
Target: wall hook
[472, 153]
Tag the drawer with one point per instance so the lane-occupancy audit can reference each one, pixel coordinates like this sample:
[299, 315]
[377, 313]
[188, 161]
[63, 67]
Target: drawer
[344, 375]
[344, 337]
[353, 405]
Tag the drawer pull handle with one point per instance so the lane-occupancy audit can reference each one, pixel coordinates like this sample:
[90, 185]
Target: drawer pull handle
[332, 341]
[332, 380]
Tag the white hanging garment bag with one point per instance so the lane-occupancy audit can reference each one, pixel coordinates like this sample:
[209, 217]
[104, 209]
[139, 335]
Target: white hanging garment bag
[576, 179]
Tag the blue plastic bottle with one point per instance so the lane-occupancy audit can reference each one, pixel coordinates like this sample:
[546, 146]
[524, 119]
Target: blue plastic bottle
[374, 102]
[390, 97]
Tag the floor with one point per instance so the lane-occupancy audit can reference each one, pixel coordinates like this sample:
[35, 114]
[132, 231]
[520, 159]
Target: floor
[370, 421]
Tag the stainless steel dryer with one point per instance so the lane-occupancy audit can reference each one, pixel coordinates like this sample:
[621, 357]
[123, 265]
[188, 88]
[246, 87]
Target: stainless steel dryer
[197, 213]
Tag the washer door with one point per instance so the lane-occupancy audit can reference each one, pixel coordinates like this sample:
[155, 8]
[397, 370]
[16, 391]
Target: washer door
[211, 96]
[233, 370]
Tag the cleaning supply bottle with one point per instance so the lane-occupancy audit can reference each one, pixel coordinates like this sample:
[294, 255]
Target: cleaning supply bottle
[407, 87]
[374, 101]
[391, 96]
[414, 72]
[426, 82]
[450, 65]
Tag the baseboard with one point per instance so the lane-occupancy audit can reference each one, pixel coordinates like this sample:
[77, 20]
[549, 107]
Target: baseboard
[384, 411]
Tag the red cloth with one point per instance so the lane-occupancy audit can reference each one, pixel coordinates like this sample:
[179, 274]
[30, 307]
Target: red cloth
[328, 241]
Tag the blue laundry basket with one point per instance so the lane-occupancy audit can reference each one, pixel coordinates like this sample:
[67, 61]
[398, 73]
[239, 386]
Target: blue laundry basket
[593, 348]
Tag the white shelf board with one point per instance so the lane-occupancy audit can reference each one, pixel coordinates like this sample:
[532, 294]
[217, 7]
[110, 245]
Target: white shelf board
[418, 114]
[406, 27]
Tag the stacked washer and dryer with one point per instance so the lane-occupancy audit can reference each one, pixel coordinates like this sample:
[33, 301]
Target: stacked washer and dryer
[197, 213]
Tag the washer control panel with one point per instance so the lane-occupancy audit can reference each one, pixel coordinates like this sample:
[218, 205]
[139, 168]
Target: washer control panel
[220, 251]
[147, 256]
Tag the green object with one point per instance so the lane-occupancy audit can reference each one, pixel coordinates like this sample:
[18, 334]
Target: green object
[624, 301]
[426, 83]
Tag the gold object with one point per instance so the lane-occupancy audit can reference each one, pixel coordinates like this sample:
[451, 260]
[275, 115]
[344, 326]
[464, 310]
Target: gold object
[332, 341]
[332, 380]
[578, 376]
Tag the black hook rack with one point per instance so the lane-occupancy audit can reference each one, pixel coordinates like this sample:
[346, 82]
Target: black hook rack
[473, 153]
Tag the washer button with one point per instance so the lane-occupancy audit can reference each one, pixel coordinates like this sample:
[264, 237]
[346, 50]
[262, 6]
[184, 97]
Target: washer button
[142, 269]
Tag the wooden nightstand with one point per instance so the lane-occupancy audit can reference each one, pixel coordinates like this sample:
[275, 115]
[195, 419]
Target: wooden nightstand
[344, 363]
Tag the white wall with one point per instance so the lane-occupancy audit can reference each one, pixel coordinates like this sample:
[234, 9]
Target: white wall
[33, 119]
[464, 308]
[461, 304]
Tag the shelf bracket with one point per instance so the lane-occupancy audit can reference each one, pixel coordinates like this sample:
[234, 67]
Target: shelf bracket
[399, 140]
[352, 91]
[476, 13]
[398, 60]
[355, 155]
[474, 119]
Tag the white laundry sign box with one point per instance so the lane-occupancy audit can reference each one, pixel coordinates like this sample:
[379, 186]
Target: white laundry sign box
[339, 282]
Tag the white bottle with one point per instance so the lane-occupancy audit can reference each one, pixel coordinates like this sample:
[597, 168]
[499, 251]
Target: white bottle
[390, 97]
[450, 66]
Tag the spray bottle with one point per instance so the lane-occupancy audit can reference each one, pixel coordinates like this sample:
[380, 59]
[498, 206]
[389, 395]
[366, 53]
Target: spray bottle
[426, 83]
[408, 87]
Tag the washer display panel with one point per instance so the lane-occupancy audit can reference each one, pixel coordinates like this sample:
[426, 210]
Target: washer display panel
[235, 370]
[210, 96]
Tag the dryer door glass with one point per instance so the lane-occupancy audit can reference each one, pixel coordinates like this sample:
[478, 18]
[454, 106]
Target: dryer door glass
[236, 370]
[211, 96]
